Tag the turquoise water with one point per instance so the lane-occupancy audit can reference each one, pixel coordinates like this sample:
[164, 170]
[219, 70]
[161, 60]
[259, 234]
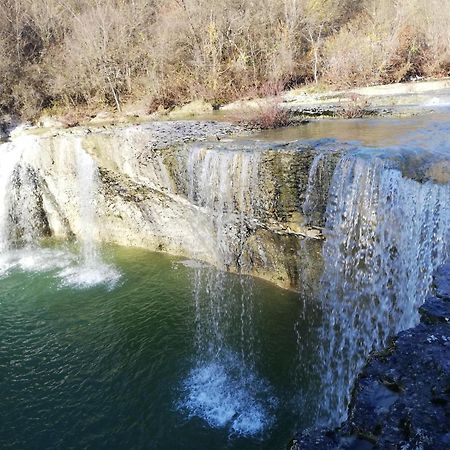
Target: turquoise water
[112, 366]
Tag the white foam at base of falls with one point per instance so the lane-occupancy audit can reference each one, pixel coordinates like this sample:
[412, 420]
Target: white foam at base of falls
[386, 235]
[83, 276]
[35, 260]
[227, 395]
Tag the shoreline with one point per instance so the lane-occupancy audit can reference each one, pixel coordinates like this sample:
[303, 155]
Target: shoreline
[301, 104]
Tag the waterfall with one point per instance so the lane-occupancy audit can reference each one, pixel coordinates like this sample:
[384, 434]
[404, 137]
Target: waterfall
[224, 388]
[28, 216]
[318, 185]
[22, 218]
[10, 156]
[87, 185]
[91, 270]
[224, 184]
[386, 234]
[22, 221]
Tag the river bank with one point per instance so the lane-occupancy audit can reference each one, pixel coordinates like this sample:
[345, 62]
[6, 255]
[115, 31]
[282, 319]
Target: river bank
[309, 103]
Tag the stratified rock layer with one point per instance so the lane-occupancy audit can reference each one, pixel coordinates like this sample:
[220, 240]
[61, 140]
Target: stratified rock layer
[187, 189]
[401, 399]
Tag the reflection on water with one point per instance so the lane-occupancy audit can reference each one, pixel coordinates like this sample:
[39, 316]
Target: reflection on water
[429, 131]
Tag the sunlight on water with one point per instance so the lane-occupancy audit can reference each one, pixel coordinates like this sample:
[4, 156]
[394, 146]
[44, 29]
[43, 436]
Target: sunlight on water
[228, 356]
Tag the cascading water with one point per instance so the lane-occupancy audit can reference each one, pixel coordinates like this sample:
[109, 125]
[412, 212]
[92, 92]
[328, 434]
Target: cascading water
[30, 222]
[386, 234]
[91, 270]
[22, 222]
[87, 179]
[316, 194]
[10, 157]
[224, 388]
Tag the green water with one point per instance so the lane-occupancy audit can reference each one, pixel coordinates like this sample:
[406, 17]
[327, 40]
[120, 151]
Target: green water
[109, 366]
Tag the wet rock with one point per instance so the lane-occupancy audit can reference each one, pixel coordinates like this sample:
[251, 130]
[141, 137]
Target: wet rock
[442, 282]
[435, 310]
[151, 180]
[330, 440]
[401, 399]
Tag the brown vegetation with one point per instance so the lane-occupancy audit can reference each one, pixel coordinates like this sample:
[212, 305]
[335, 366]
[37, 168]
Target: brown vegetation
[66, 54]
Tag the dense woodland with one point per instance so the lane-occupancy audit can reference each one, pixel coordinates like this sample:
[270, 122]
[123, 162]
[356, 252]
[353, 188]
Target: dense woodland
[67, 54]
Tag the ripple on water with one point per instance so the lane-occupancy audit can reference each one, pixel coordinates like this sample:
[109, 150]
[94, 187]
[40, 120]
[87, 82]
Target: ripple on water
[226, 394]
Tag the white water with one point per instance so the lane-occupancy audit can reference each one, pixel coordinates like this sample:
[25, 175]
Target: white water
[10, 157]
[91, 270]
[386, 234]
[26, 200]
[20, 224]
[227, 395]
[315, 181]
[224, 183]
[21, 221]
[223, 387]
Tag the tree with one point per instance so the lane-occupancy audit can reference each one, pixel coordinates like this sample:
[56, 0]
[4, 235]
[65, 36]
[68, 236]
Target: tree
[320, 19]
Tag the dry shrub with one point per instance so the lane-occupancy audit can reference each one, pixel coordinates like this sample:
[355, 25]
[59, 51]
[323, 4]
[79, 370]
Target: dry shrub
[267, 117]
[266, 111]
[390, 42]
[433, 18]
[408, 57]
[104, 53]
[355, 109]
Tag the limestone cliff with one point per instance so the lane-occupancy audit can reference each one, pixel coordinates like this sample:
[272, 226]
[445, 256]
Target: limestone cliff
[188, 189]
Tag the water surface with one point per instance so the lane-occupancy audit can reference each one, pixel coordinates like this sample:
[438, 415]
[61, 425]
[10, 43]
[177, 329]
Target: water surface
[110, 366]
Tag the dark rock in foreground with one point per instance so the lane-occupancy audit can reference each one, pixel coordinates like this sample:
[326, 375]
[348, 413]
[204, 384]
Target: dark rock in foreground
[401, 400]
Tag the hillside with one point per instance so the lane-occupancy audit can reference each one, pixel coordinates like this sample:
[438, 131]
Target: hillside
[86, 55]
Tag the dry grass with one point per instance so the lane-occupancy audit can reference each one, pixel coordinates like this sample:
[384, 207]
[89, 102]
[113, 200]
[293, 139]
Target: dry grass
[265, 116]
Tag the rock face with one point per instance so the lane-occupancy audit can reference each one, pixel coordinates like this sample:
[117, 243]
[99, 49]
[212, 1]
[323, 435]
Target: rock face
[186, 188]
[401, 400]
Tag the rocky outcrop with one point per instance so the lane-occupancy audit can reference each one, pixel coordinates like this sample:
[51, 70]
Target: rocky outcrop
[401, 400]
[189, 189]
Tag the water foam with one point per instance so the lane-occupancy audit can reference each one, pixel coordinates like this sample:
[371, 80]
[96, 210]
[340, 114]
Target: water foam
[35, 260]
[226, 394]
[84, 276]
[223, 388]
[91, 270]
